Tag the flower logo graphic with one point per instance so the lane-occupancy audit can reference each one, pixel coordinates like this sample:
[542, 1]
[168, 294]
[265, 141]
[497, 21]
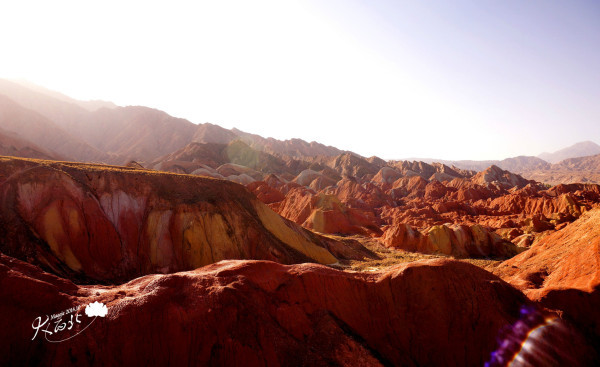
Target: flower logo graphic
[96, 309]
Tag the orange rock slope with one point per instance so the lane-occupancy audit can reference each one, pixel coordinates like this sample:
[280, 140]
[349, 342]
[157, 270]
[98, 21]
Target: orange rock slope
[108, 224]
[254, 313]
[562, 271]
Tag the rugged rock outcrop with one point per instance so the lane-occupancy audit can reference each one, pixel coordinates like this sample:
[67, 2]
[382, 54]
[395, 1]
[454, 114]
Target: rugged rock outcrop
[330, 215]
[109, 224]
[455, 240]
[433, 171]
[352, 165]
[436, 312]
[562, 271]
[299, 202]
[410, 187]
[498, 176]
[265, 193]
[530, 205]
[307, 176]
[387, 175]
[573, 170]
[325, 213]
[366, 196]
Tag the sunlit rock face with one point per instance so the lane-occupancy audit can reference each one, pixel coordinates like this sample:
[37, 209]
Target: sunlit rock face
[436, 312]
[562, 272]
[455, 240]
[110, 224]
[325, 213]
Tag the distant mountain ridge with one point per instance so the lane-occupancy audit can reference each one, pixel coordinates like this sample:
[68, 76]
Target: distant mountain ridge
[523, 164]
[91, 105]
[291, 147]
[515, 164]
[11, 144]
[117, 135]
[572, 170]
[42, 132]
[581, 149]
[590, 163]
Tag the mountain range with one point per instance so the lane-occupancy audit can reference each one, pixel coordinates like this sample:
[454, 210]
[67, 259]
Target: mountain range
[525, 163]
[37, 122]
[112, 134]
[582, 149]
[213, 246]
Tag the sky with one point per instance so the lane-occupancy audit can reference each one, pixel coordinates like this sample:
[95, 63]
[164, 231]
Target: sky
[397, 79]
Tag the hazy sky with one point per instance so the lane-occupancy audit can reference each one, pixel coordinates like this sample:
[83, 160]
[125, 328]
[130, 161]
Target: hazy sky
[448, 79]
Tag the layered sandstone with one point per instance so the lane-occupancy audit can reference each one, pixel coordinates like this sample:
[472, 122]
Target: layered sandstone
[108, 224]
[454, 240]
[325, 213]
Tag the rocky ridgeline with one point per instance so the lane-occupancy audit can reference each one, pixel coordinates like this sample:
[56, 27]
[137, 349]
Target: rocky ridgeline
[257, 313]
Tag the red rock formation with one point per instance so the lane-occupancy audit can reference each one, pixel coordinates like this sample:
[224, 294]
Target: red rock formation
[410, 187]
[111, 223]
[525, 204]
[468, 191]
[321, 183]
[352, 165]
[425, 204]
[331, 216]
[387, 175]
[403, 236]
[456, 240]
[498, 176]
[265, 193]
[275, 182]
[435, 190]
[307, 176]
[232, 169]
[471, 194]
[365, 196]
[415, 213]
[587, 191]
[325, 213]
[562, 272]
[251, 313]
[298, 204]
[434, 171]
